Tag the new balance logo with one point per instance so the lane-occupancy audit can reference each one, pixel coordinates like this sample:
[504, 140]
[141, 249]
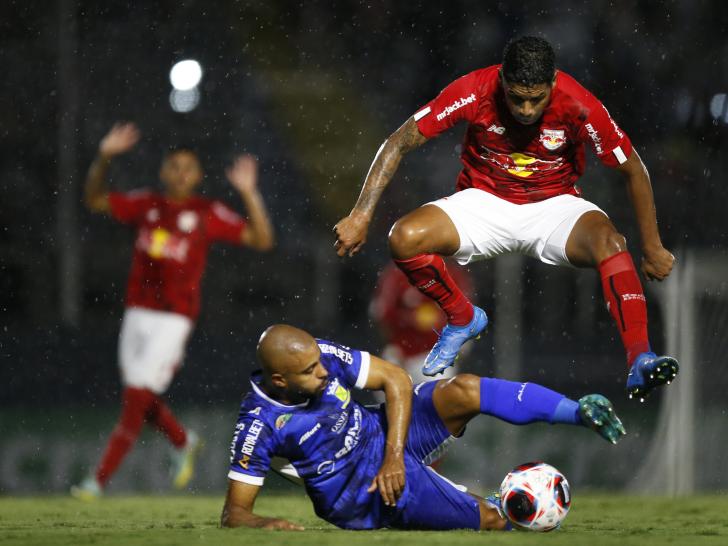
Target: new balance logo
[459, 103]
[496, 129]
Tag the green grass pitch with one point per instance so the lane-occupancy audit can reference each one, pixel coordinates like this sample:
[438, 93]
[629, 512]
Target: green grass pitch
[181, 520]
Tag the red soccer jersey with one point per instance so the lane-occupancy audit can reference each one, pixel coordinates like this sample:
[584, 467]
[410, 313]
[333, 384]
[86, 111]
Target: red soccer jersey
[524, 163]
[408, 317]
[171, 245]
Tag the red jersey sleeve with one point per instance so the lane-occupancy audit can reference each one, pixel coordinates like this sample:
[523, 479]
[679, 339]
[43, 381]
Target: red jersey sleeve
[457, 102]
[223, 224]
[610, 143]
[130, 208]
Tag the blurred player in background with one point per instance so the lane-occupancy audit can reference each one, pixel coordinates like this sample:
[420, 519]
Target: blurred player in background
[173, 232]
[522, 154]
[366, 467]
[409, 320]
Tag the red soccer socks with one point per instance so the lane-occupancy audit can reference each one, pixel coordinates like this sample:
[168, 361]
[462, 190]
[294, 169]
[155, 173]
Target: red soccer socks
[428, 273]
[135, 404]
[626, 302]
[138, 406]
[166, 422]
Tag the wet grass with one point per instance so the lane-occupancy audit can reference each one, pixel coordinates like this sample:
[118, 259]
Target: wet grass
[180, 520]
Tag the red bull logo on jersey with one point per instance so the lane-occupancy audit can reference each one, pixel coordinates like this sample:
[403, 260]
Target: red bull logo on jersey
[459, 103]
[518, 164]
[160, 244]
[552, 139]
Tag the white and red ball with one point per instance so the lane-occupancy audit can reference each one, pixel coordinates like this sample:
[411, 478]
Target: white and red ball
[535, 496]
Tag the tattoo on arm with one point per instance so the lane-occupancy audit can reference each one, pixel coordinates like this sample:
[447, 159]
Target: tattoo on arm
[386, 162]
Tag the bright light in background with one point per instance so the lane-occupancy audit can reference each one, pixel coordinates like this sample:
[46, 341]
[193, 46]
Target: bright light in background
[717, 104]
[184, 100]
[185, 75]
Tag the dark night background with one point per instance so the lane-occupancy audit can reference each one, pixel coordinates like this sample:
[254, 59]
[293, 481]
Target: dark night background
[313, 88]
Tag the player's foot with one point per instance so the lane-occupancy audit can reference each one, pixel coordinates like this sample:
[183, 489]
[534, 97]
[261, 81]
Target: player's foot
[445, 351]
[494, 501]
[649, 371]
[88, 490]
[183, 460]
[597, 413]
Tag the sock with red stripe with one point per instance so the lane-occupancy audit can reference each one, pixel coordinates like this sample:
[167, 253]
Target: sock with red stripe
[165, 421]
[135, 405]
[626, 302]
[428, 273]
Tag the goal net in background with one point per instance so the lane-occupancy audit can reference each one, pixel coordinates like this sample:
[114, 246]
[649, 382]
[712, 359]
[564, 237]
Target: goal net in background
[688, 446]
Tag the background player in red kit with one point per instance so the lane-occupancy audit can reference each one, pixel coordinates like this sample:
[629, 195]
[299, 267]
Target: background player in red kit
[173, 232]
[523, 152]
[409, 320]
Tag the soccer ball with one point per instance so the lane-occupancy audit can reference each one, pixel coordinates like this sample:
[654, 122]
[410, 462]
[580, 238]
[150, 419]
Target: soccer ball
[535, 496]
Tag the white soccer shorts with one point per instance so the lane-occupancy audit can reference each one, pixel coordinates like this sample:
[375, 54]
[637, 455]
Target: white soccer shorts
[151, 347]
[490, 226]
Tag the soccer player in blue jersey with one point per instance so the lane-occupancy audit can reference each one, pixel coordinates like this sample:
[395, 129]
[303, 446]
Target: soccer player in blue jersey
[366, 468]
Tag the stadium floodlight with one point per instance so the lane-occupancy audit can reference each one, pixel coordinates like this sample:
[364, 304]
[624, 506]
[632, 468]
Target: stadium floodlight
[185, 75]
[184, 101]
[717, 105]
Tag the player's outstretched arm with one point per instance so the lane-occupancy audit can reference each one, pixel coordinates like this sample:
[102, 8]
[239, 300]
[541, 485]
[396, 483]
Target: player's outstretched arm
[351, 231]
[397, 387]
[238, 510]
[120, 139]
[243, 175]
[657, 261]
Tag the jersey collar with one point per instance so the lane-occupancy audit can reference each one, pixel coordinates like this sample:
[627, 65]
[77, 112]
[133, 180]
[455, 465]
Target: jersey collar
[258, 391]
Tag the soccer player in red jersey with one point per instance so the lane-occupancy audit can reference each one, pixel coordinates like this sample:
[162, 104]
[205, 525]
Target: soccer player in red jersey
[522, 154]
[173, 232]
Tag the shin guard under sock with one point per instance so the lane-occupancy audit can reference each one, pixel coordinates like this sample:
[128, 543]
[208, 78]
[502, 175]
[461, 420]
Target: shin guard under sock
[626, 302]
[135, 405]
[428, 273]
[523, 403]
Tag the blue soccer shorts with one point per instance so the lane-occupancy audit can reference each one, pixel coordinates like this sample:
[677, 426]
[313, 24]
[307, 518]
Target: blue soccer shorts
[433, 502]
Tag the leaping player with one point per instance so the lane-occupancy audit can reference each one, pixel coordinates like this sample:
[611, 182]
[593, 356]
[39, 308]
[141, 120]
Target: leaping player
[522, 154]
[173, 232]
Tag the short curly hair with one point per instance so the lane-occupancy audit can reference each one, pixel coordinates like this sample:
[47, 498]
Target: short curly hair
[529, 61]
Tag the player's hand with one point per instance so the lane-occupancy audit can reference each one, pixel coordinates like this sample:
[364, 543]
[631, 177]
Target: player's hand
[243, 174]
[390, 479]
[351, 233]
[657, 264]
[120, 139]
[281, 525]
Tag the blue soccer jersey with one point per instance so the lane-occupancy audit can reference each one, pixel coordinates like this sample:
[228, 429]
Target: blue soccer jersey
[335, 444]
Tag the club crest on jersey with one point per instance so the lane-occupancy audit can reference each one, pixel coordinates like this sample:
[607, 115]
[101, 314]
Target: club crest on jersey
[187, 221]
[282, 420]
[342, 393]
[552, 139]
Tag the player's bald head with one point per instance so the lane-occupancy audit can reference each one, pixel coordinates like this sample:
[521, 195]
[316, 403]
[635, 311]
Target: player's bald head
[282, 347]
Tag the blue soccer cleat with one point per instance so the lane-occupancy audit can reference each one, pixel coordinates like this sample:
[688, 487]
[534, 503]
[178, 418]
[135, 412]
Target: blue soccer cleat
[649, 371]
[597, 413]
[452, 338]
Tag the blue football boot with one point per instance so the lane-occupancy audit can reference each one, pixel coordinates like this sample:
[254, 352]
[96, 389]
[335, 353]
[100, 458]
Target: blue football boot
[452, 338]
[597, 413]
[649, 371]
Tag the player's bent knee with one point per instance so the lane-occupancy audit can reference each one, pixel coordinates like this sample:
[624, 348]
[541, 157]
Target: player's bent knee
[405, 240]
[465, 388]
[607, 242]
